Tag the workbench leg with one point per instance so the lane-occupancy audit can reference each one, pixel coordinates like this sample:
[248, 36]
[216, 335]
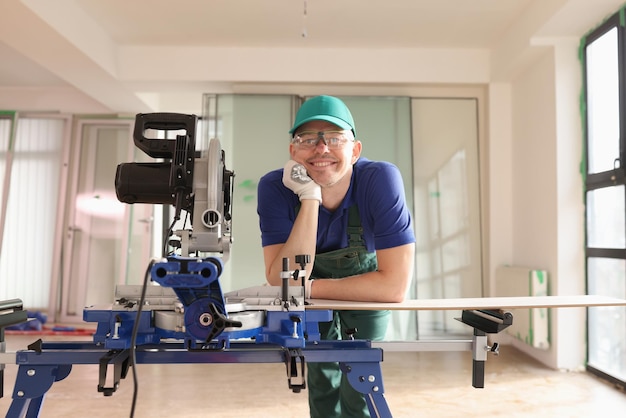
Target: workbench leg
[367, 378]
[479, 357]
[31, 386]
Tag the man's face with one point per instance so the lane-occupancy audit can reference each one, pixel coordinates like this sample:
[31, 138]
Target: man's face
[326, 166]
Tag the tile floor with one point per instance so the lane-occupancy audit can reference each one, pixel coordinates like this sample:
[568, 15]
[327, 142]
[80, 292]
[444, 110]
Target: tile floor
[427, 384]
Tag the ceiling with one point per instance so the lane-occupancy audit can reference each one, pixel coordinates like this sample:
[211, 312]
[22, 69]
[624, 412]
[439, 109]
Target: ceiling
[93, 46]
[307, 23]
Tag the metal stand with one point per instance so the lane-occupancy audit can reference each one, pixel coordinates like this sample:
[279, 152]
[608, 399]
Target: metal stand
[11, 313]
[47, 362]
[484, 322]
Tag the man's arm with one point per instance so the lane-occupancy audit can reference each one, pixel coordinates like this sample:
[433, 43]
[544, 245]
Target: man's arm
[388, 284]
[301, 241]
[303, 235]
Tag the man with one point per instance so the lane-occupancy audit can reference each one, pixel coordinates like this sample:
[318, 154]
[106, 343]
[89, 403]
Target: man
[350, 215]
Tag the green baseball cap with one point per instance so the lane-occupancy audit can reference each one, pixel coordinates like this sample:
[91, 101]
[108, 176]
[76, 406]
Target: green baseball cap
[328, 108]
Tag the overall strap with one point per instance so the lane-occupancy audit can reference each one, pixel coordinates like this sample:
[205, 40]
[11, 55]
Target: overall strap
[355, 229]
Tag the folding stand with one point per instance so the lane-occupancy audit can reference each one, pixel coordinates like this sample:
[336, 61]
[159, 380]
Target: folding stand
[47, 362]
[44, 363]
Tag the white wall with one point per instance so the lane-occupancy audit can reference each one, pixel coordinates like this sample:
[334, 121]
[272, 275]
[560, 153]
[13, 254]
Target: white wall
[533, 179]
[533, 167]
[49, 99]
[498, 184]
[546, 215]
[570, 204]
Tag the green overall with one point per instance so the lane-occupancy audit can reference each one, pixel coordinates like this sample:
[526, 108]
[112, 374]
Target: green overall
[330, 393]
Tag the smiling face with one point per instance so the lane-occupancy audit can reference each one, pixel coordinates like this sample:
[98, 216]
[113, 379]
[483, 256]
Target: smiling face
[327, 167]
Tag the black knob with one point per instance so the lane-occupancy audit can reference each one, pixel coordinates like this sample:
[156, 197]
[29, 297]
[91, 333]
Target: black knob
[303, 260]
[350, 332]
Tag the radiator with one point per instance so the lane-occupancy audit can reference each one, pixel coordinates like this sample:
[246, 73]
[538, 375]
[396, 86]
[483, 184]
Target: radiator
[532, 326]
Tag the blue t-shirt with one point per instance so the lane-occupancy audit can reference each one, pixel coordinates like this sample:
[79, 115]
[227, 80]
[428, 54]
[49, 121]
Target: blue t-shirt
[376, 188]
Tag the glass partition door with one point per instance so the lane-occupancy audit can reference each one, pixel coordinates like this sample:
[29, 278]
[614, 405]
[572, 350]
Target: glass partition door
[106, 242]
[439, 164]
[447, 207]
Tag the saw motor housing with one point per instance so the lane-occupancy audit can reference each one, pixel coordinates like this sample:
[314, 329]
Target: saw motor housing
[190, 180]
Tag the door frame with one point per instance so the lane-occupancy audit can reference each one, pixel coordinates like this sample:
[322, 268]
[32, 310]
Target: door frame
[62, 279]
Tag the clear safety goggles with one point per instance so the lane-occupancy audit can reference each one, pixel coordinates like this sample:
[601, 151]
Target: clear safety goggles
[332, 139]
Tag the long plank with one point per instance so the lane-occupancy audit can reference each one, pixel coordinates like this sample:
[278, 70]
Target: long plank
[515, 302]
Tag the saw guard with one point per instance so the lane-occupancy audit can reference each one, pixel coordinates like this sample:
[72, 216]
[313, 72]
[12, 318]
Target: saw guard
[212, 195]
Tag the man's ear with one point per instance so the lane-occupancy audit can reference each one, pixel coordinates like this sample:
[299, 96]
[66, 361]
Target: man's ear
[356, 151]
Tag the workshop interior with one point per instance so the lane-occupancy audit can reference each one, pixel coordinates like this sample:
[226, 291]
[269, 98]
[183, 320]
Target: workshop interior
[130, 158]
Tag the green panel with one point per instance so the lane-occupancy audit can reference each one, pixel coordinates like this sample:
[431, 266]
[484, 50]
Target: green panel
[253, 131]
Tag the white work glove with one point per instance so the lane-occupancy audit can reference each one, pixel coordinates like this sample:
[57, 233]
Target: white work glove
[298, 181]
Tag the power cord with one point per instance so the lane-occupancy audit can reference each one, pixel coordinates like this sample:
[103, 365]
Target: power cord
[133, 338]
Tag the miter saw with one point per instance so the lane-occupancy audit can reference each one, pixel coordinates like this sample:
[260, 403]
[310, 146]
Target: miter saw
[189, 304]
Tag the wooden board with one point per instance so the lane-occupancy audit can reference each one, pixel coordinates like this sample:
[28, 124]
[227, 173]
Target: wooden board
[517, 302]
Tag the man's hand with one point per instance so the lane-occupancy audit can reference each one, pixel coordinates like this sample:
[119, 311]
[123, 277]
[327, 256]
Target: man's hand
[297, 180]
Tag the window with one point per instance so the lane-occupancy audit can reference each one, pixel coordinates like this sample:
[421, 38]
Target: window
[31, 165]
[605, 93]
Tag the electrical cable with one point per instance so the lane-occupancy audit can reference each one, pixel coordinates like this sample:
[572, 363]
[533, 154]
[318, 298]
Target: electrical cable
[164, 251]
[133, 338]
[167, 237]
